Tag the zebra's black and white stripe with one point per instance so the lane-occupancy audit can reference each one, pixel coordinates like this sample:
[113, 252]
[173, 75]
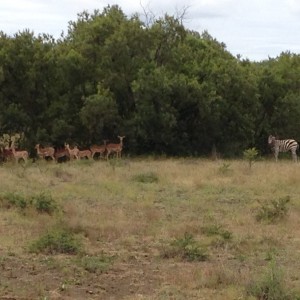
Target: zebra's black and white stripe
[283, 146]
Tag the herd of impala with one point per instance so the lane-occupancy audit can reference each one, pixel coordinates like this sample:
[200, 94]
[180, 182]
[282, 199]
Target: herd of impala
[104, 150]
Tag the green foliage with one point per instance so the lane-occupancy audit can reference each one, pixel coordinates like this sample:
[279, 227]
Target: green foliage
[10, 200]
[149, 177]
[271, 286]
[99, 113]
[96, 264]
[170, 90]
[250, 155]
[274, 211]
[224, 236]
[6, 140]
[186, 248]
[225, 168]
[56, 241]
[42, 203]
[211, 230]
[216, 230]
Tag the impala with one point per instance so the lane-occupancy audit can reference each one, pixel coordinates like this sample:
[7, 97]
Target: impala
[6, 154]
[73, 153]
[45, 152]
[59, 153]
[117, 148]
[98, 149]
[19, 154]
[84, 153]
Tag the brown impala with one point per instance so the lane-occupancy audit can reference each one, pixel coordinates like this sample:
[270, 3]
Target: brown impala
[117, 148]
[98, 149]
[73, 153]
[19, 154]
[60, 153]
[45, 152]
[84, 153]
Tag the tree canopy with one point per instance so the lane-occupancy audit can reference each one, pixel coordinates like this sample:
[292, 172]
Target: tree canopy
[168, 89]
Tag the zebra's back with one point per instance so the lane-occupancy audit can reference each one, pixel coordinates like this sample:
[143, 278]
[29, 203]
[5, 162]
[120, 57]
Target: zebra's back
[286, 145]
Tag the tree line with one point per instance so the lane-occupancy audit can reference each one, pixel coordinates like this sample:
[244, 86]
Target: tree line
[170, 90]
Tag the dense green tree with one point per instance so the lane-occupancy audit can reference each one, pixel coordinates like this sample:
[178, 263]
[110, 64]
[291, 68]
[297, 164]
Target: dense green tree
[168, 89]
[99, 115]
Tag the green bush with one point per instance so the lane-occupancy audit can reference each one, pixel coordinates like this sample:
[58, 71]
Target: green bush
[225, 169]
[10, 200]
[44, 203]
[216, 230]
[270, 286]
[250, 155]
[56, 241]
[273, 211]
[95, 264]
[186, 248]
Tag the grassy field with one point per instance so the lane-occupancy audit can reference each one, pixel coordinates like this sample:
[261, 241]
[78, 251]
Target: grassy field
[150, 229]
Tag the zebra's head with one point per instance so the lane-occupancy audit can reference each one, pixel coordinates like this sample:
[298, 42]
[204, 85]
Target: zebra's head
[271, 139]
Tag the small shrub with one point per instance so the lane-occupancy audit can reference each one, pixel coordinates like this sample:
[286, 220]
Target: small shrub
[56, 241]
[95, 264]
[41, 202]
[274, 211]
[149, 177]
[216, 230]
[10, 200]
[186, 248]
[211, 230]
[44, 203]
[225, 169]
[250, 155]
[270, 286]
[226, 235]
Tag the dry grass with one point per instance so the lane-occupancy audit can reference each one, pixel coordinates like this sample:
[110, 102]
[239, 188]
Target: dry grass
[114, 212]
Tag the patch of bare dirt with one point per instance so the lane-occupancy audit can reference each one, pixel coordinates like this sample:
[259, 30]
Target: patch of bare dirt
[58, 277]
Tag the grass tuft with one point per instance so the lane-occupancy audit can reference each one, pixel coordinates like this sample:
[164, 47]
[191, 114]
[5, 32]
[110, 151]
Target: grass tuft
[95, 264]
[149, 177]
[186, 248]
[271, 286]
[274, 211]
[56, 241]
[42, 202]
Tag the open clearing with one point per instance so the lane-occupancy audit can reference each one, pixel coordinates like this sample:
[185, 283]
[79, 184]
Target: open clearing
[149, 229]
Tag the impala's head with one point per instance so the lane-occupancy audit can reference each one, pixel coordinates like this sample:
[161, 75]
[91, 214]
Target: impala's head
[37, 146]
[271, 139]
[121, 138]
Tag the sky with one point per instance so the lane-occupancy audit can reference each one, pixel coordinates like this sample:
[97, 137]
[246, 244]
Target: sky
[253, 29]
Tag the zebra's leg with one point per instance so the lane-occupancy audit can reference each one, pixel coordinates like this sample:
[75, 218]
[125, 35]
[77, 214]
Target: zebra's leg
[276, 155]
[294, 155]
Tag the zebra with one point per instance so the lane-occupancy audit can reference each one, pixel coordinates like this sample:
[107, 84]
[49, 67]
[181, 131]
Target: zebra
[283, 146]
